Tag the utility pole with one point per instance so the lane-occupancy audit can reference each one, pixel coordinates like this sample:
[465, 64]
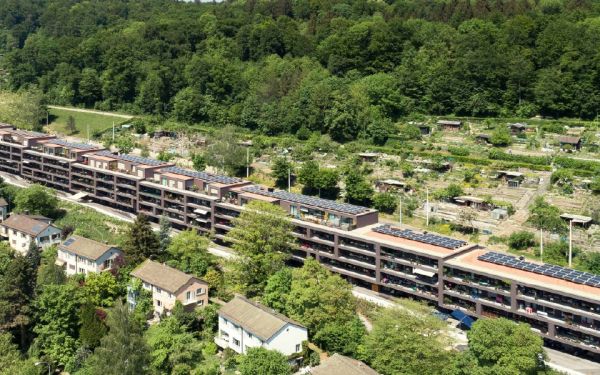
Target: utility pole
[400, 209]
[247, 162]
[541, 245]
[570, 242]
[113, 131]
[427, 207]
[289, 179]
[88, 132]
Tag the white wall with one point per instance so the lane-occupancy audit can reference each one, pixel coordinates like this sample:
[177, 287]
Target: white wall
[75, 264]
[20, 241]
[288, 340]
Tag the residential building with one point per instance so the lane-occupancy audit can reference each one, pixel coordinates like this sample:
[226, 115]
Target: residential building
[338, 364]
[22, 230]
[345, 238]
[245, 324]
[3, 209]
[169, 285]
[80, 255]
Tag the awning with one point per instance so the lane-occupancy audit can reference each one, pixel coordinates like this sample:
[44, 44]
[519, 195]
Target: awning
[200, 211]
[463, 318]
[423, 272]
[79, 196]
[59, 262]
[202, 219]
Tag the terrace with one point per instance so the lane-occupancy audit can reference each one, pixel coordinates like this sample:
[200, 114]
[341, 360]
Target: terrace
[408, 258]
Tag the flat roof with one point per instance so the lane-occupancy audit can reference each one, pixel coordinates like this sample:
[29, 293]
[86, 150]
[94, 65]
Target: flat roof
[469, 261]
[137, 160]
[576, 218]
[259, 197]
[204, 176]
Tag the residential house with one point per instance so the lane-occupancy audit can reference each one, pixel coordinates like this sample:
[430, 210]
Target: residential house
[169, 285]
[450, 125]
[81, 255]
[338, 364]
[21, 230]
[3, 209]
[245, 324]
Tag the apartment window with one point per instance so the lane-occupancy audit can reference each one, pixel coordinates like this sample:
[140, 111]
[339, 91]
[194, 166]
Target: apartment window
[250, 335]
[298, 347]
[236, 342]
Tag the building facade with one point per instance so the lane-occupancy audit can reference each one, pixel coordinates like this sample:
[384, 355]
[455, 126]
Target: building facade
[79, 255]
[245, 324]
[345, 238]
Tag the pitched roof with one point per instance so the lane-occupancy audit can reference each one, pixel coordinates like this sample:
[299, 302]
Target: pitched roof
[569, 140]
[25, 224]
[162, 276]
[449, 122]
[85, 247]
[3, 202]
[260, 320]
[340, 365]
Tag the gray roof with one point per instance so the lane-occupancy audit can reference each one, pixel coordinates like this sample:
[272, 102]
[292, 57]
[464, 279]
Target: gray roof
[85, 247]
[3, 202]
[260, 320]
[449, 122]
[26, 224]
[340, 365]
[163, 276]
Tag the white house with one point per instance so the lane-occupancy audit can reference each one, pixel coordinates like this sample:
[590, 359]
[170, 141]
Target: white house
[3, 209]
[81, 255]
[21, 230]
[169, 285]
[245, 324]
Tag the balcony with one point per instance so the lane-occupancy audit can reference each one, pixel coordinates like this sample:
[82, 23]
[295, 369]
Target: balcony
[349, 268]
[356, 245]
[316, 247]
[82, 172]
[476, 294]
[559, 301]
[174, 197]
[363, 259]
[468, 278]
[149, 191]
[408, 258]
[408, 286]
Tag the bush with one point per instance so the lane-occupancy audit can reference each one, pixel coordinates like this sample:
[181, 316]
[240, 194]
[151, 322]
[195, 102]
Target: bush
[521, 240]
[458, 151]
[385, 202]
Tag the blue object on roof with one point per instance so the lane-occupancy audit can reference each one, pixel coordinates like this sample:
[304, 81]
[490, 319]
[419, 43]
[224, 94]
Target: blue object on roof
[463, 318]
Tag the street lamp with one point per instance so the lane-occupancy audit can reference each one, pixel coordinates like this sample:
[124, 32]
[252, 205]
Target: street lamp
[44, 363]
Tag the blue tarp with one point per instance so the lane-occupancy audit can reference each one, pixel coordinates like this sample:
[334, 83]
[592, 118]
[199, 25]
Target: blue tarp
[463, 318]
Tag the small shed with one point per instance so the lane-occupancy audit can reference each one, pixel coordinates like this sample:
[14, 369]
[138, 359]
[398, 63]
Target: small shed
[473, 202]
[578, 220]
[424, 128]
[482, 138]
[450, 125]
[513, 179]
[368, 156]
[500, 214]
[567, 142]
[391, 185]
[517, 128]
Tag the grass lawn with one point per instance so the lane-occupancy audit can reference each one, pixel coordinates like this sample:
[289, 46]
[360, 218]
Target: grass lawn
[91, 224]
[96, 122]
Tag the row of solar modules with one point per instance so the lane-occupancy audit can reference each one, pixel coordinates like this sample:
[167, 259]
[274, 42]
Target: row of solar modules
[558, 272]
[80, 146]
[203, 175]
[308, 200]
[69, 241]
[428, 238]
[133, 159]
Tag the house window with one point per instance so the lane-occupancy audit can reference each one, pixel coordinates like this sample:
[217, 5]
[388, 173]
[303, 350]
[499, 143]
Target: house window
[199, 291]
[158, 303]
[250, 335]
[188, 295]
[236, 342]
[158, 290]
[298, 347]
[201, 302]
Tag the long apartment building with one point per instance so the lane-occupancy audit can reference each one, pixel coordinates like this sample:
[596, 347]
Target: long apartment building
[561, 305]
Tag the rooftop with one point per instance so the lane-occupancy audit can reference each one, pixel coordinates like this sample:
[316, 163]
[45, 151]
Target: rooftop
[25, 133]
[3, 202]
[471, 260]
[137, 160]
[85, 247]
[204, 176]
[577, 219]
[25, 224]
[449, 122]
[162, 276]
[74, 145]
[569, 140]
[338, 364]
[260, 320]
[308, 200]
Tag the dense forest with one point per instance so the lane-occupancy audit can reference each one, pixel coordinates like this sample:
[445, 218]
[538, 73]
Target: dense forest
[350, 68]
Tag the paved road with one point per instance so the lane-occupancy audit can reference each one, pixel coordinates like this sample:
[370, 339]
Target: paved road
[82, 110]
[571, 365]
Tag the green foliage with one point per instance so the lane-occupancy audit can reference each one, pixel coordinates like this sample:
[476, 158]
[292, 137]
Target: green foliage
[101, 289]
[92, 327]
[188, 251]
[501, 137]
[595, 185]
[341, 337]
[36, 199]
[123, 350]
[11, 360]
[171, 347]
[358, 189]
[281, 168]
[405, 342]
[199, 162]
[543, 215]
[24, 109]
[535, 160]
[140, 241]
[263, 361]
[385, 202]
[451, 191]
[277, 289]
[502, 346]
[317, 180]
[48, 272]
[225, 153]
[261, 238]
[521, 240]
[164, 233]
[458, 151]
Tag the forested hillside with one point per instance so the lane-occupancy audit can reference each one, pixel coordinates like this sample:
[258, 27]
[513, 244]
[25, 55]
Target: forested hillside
[349, 68]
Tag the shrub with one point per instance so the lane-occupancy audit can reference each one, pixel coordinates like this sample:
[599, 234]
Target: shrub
[521, 240]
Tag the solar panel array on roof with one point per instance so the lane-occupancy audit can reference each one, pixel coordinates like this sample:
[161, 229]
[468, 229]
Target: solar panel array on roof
[133, 159]
[558, 272]
[28, 133]
[69, 241]
[203, 175]
[308, 200]
[81, 146]
[428, 238]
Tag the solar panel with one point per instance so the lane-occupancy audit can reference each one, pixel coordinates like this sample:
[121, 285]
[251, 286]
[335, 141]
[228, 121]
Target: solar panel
[308, 200]
[428, 238]
[575, 276]
[81, 146]
[69, 241]
[205, 176]
[133, 158]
